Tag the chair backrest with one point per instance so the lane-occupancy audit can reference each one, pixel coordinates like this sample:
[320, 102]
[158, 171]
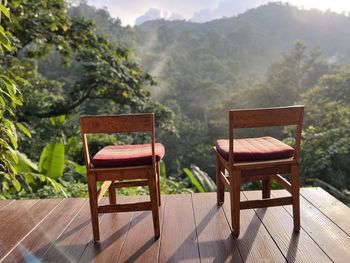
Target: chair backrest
[92, 124]
[117, 123]
[267, 117]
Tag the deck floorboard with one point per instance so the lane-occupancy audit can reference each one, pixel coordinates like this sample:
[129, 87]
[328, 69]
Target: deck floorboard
[193, 229]
[140, 244]
[216, 243]
[179, 239]
[20, 219]
[114, 228]
[335, 210]
[254, 242]
[279, 224]
[328, 236]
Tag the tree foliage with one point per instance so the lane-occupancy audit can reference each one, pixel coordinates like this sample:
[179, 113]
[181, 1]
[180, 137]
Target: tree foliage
[326, 147]
[70, 69]
[240, 62]
[10, 99]
[77, 60]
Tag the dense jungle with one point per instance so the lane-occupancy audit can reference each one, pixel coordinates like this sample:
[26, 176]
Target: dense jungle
[60, 60]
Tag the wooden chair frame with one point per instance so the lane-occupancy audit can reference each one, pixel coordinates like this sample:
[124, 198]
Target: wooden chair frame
[145, 175]
[240, 172]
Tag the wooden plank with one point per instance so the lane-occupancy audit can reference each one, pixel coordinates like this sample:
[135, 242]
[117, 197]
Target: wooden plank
[39, 240]
[103, 189]
[140, 206]
[254, 243]
[71, 244]
[281, 116]
[224, 179]
[116, 123]
[283, 182]
[279, 224]
[215, 240]
[265, 202]
[335, 210]
[141, 172]
[17, 220]
[5, 203]
[140, 244]
[333, 241]
[8, 228]
[130, 183]
[179, 239]
[113, 229]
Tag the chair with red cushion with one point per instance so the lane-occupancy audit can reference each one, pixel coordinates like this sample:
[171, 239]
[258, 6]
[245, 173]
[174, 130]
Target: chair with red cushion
[122, 165]
[263, 158]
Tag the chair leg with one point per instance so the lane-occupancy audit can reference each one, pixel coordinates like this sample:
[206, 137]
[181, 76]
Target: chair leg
[266, 188]
[112, 195]
[220, 188]
[158, 182]
[93, 206]
[296, 196]
[235, 183]
[154, 204]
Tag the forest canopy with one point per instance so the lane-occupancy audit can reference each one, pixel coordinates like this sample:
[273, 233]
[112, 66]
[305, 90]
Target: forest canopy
[67, 60]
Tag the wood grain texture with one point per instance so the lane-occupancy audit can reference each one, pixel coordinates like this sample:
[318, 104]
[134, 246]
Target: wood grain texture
[332, 240]
[265, 202]
[215, 240]
[8, 230]
[179, 239]
[279, 224]
[255, 244]
[283, 182]
[266, 188]
[140, 206]
[193, 229]
[146, 174]
[140, 244]
[20, 218]
[116, 123]
[221, 181]
[5, 203]
[71, 244]
[40, 239]
[250, 118]
[240, 172]
[335, 210]
[114, 229]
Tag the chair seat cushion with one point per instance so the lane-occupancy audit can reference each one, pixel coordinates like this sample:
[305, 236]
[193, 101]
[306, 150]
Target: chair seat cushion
[255, 149]
[127, 155]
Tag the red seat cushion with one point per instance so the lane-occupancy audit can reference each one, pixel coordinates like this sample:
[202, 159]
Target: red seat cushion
[127, 155]
[255, 149]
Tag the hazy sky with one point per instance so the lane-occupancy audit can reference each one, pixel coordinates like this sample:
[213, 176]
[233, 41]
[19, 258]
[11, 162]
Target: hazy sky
[200, 10]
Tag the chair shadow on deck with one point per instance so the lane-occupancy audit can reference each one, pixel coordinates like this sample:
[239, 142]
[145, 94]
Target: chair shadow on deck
[245, 242]
[205, 248]
[225, 248]
[293, 247]
[70, 251]
[93, 249]
[40, 253]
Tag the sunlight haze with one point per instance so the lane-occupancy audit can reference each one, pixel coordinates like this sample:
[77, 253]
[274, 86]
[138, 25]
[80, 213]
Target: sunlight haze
[199, 10]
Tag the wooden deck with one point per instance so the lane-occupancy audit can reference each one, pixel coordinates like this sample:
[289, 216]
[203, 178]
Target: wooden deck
[194, 229]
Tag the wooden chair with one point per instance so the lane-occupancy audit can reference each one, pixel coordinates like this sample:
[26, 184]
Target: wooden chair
[122, 166]
[263, 158]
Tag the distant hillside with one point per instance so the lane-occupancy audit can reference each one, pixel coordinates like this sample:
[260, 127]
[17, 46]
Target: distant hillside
[245, 44]
[254, 38]
[266, 57]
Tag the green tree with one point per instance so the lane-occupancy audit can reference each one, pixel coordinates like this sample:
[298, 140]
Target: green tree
[10, 99]
[326, 146]
[102, 76]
